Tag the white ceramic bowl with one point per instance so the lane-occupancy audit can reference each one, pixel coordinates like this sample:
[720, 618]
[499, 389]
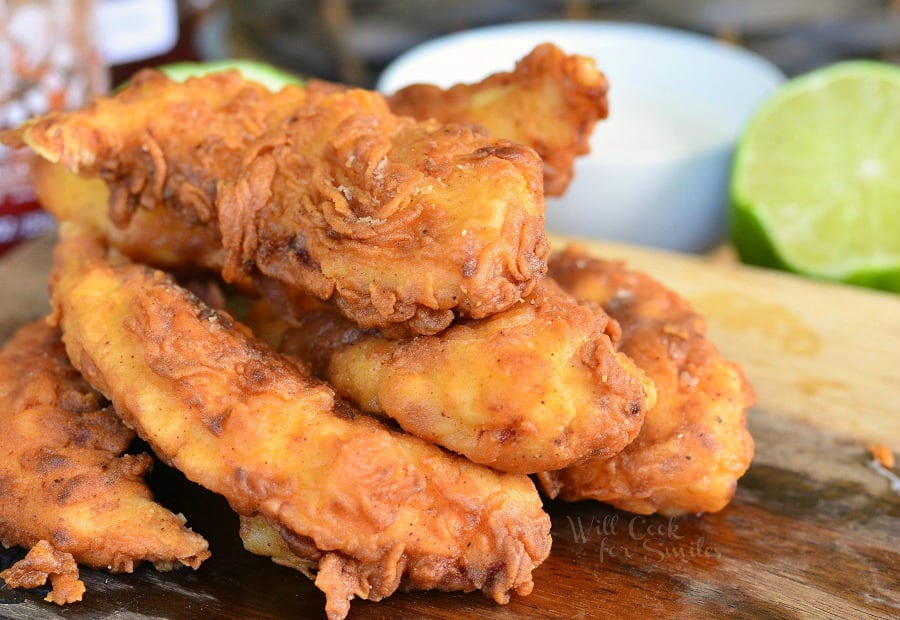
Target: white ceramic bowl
[658, 168]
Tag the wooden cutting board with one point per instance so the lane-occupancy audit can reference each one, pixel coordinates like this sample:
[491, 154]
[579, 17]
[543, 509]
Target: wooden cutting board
[814, 530]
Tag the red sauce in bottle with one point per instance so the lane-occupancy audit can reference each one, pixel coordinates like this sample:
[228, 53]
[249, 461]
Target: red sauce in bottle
[48, 60]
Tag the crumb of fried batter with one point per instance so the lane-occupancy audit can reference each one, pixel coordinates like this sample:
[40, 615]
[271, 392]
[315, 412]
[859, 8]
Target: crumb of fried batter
[883, 455]
[43, 562]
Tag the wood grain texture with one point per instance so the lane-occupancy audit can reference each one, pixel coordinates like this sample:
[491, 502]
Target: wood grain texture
[23, 284]
[813, 531]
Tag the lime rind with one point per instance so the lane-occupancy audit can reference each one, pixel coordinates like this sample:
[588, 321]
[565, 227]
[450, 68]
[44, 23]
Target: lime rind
[768, 235]
[262, 73]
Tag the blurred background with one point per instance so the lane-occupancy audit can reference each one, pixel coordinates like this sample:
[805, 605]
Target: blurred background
[353, 40]
[58, 53]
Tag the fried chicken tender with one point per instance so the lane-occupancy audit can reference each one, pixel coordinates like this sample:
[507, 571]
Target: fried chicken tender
[373, 509]
[694, 444]
[535, 387]
[63, 476]
[401, 223]
[155, 235]
[551, 102]
[43, 562]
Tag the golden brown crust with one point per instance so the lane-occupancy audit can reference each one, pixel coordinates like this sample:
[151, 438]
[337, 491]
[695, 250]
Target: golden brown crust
[694, 444]
[536, 387]
[62, 474]
[242, 421]
[402, 223]
[418, 218]
[550, 102]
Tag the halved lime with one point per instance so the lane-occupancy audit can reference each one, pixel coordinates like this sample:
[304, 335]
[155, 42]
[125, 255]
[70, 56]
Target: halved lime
[815, 184]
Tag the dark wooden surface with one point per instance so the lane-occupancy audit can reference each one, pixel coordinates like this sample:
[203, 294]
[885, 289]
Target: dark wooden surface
[813, 532]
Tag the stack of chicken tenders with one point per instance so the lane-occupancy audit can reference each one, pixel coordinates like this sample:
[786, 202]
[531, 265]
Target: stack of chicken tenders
[414, 369]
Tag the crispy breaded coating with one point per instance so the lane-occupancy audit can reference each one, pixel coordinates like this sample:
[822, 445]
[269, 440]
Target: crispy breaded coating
[262, 538]
[374, 509]
[535, 387]
[154, 235]
[550, 102]
[401, 223]
[43, 562]
[694, 444]
[63, 476]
